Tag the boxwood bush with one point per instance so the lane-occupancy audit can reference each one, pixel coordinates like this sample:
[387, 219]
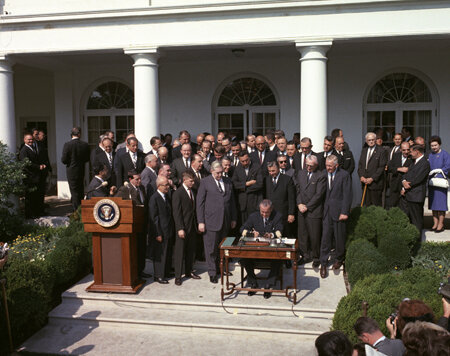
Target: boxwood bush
[383, 293]
[35, 281]
[435, 256]
[381, 230]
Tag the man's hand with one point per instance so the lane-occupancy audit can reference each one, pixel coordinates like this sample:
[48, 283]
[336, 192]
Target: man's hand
[113, 190]
[402, 169]
[291, 219]
[446, 307]
[302, 208]
[159, 238]
[255, 233]
[42, 167]
[181, 234]
[233, 224]
[363, 180]
[369, 181]
[406, 184]
[201, 227]
[250, 182]
[343, 217]
[392, 327]
[402, 192]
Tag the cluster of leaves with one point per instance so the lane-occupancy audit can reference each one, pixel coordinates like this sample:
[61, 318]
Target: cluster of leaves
[383, 293]
[373, 232]
[434, 256]
[33, 247]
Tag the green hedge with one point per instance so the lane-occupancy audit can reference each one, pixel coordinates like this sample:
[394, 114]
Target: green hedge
[378, 241]
[384, 293]
[434, 256]
[34, 286]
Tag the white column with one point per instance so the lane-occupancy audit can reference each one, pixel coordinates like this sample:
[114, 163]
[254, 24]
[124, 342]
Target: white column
[146, 94]
[7, 115]
[313, 91]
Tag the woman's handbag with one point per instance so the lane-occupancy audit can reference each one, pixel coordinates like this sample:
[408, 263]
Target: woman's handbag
[438, 182]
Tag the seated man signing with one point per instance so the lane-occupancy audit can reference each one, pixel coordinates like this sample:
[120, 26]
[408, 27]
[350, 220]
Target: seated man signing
[267, 223]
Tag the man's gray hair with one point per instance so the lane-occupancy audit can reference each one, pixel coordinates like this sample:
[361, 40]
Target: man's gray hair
[159, 180]
[332, 158]
[226, 158]
[101, 138]
[272, 164]
[370, 134]
[312, 159]
[215, 165]
[149, 157]
[266, 203]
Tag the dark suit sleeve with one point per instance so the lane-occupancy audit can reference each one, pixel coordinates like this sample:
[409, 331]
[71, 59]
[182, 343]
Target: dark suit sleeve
[200, 204]
[347, 194]
[237, 183]
[249, 224]
[259, 182]
[362, 162]
[233, 207]
[118, 169]
[317, 199]
[65, 157]
[177, 210]
[154, 214]
[351, 168]
[292, 207]
[381, 165]
[278, 223]
[174, 174]
[419, 175]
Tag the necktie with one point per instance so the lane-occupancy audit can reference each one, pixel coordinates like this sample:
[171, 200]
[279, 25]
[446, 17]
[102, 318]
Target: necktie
[309, 177]
[236, 161]
[109, 159]
[35, 147]
[186, 163]
[331, 180]
[198, 175]
[220, 187]
[191, 197]
[274, 181]
[260, 157]
[141, 196]
[265, 222]
[134, 158]
[369, 154]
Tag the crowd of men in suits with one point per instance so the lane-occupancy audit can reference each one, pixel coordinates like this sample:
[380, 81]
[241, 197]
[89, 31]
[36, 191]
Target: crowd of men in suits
[196, 193]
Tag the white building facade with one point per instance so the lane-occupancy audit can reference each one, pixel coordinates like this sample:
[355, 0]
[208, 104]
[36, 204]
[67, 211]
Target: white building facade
[202, 65]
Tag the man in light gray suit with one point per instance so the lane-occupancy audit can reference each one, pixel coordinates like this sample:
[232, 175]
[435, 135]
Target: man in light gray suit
[369, 332]
[150, 172]
[216, 214]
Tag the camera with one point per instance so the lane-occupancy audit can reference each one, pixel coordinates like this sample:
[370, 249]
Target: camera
[392, 317]
[3, 250]
[444, 290]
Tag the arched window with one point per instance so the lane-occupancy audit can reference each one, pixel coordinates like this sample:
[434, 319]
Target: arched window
[246, 105]
[110, 107]
[400, 100]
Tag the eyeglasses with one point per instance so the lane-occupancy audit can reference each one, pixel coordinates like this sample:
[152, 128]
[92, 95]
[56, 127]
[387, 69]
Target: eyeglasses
[282, 162]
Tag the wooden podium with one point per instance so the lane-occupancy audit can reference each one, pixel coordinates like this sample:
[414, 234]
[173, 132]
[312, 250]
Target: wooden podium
[114, 248]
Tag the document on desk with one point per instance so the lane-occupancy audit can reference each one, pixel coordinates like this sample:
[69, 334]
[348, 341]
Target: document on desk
[287, 241]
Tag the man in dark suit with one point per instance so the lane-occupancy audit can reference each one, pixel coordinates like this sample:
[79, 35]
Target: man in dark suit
[42, 152]
[181, 164]
[33, 204]
[183, 203]
[338, 199]
[371, 169]
[216, 214]
[235, 150]
[266, 222]
[280, 190]
[397, 148]
[150, 172]
[228, 168]
[97, 150]
[133, 190]
[197, 170]
[156, 143]
[328, 149]
[206, 152]
[414, 187]
[248, 185]
[397, 167]
[345, 156]
[75, 155]
[292, 154]
[311, 188]
[262, 156]
[270, 140]
[128, 159]
[184, 137]
[163, 234]
[164, 156]
[106, 157]
[306, 148]
[369, 332]
[97, 187]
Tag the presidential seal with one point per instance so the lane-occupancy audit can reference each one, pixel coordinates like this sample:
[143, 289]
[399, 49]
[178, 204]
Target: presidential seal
[106, 213]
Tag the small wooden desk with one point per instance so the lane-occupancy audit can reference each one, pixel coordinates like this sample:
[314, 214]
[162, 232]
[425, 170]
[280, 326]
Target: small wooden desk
[229, 248]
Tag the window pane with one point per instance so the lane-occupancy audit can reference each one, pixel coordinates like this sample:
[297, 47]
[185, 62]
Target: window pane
[121, 123]
[111, 95]
[237, 120]
[250, 91]
[224, 121]
[419, 121]
[270, 121]
[382, 122]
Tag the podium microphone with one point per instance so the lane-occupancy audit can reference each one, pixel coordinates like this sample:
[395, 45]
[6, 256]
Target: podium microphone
[104, 184]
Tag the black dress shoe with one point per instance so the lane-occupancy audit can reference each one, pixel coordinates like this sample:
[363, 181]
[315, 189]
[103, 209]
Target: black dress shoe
[145, 275]
[178, 281]
[303, 260]
[267, 295]
[213, 279]
[161, 280]
[193, 276]
[437, 231]
[250, 293]
[316, 264]
[323, 271]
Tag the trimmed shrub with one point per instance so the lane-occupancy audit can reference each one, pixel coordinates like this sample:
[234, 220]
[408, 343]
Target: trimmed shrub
[384, 293]
[363, 259]
[396, 251]
[29, 288]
